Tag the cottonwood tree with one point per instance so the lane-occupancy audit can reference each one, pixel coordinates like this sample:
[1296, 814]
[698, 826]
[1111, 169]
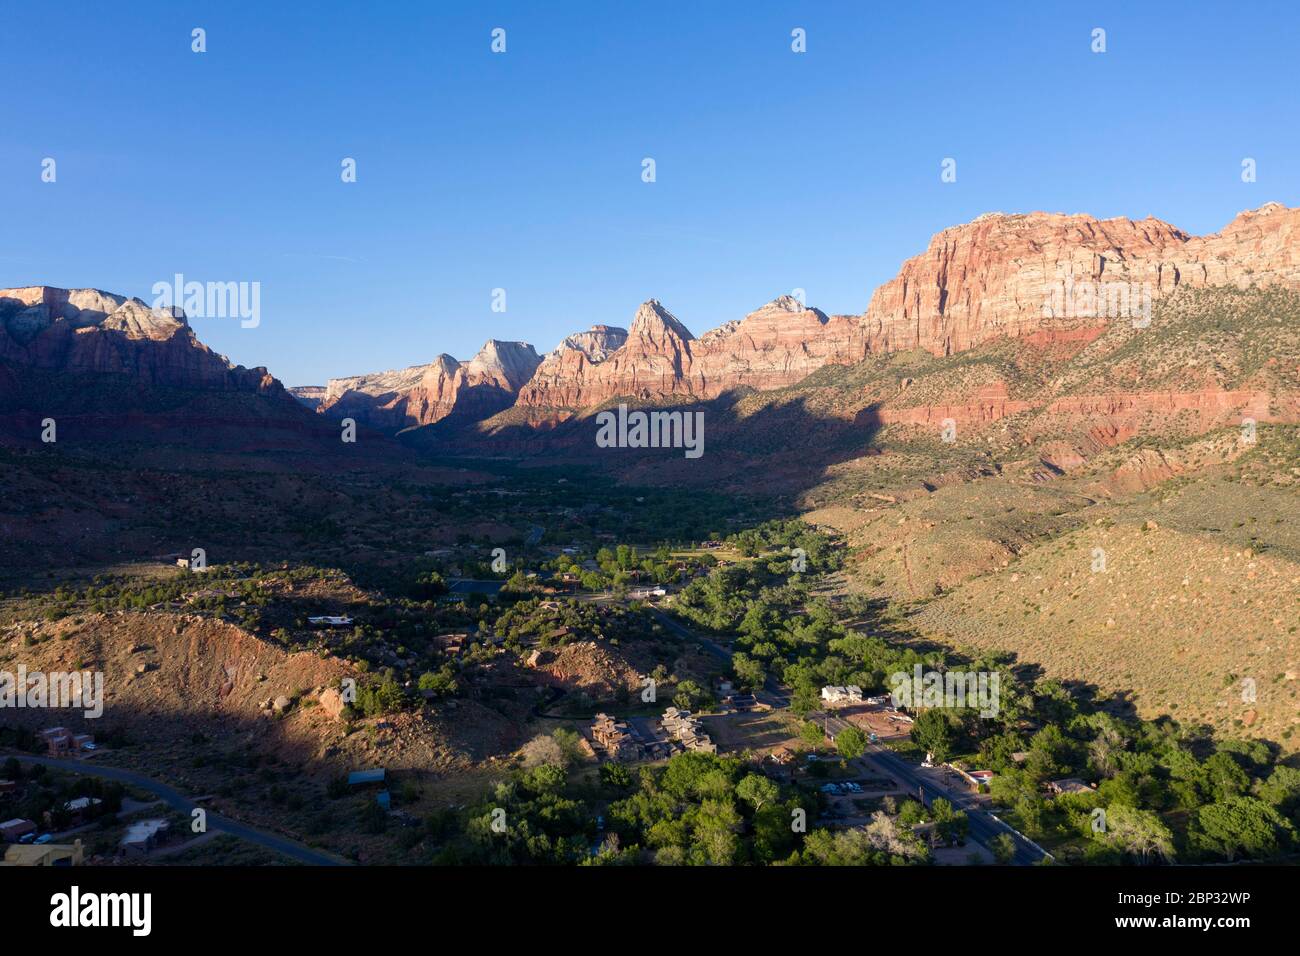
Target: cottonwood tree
[1241, 826]
[1139, 833]
[851, 743]
[932, 731]
[757, 790]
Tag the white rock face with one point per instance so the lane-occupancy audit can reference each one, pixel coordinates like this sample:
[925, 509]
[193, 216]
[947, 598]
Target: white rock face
[30, 311]
[596, 344]
[506, 364]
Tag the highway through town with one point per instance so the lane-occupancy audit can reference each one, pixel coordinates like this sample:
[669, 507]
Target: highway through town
[926, 783]
[177, 801]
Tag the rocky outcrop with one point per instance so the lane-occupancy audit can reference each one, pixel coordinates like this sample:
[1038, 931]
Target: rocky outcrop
[107, 369]
[424, 394]
[560, 379]
[596, 344]
[309, 395]
[92, 333]
[654, 361]
[1044, 278]
[1023, 275]
[1207, 408]
[1041, 278]
[776, 345]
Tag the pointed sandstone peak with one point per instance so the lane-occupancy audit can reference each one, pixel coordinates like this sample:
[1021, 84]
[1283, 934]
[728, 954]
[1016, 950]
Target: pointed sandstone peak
[654, 323]
[444, 364]
[786, 303]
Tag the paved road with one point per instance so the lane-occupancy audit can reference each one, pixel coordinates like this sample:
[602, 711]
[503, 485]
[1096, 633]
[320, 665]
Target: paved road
[927, 785]
[178, 801]
[984, 826]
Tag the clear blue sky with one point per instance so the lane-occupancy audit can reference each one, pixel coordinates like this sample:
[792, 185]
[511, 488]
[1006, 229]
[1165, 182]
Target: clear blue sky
[523, 171]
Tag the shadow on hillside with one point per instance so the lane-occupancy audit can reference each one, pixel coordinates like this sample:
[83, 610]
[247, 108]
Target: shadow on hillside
[781, 448]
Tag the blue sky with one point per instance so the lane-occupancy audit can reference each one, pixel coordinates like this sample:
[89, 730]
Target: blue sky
[522, 171]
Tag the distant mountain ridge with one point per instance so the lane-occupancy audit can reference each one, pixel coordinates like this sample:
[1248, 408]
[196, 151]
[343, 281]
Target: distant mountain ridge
[93, 332]
[426, 394]
[106, 367]
[998, 276]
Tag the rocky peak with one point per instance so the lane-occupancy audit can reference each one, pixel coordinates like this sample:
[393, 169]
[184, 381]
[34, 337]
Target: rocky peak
[993, 277]
[424, 394]
[596, 344]
[656, 325]
[507, 364]
[31, 311]
[390, 381]
[84, 343]
[781, 311]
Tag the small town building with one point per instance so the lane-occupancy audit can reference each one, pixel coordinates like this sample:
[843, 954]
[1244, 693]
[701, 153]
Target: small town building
[681, 726]
[79, 810]
[58, 741]
[48, 854]
[975, 779]
[1069, 785]
[451, 644]
[61, 742]
[616, 738]
[11, 831]
[143, 835]
[842, 696]
[645, 594]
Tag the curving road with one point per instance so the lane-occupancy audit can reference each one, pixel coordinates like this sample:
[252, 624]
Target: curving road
[177, 801]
